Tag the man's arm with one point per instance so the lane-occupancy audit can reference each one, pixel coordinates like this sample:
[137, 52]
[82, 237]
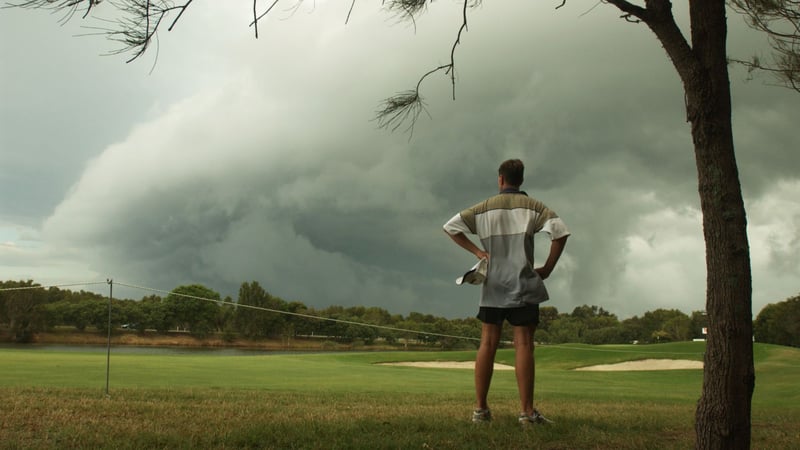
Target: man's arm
[464, 242]
[556, 248]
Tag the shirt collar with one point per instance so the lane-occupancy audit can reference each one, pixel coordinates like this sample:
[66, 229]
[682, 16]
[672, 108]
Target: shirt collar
[513, 190]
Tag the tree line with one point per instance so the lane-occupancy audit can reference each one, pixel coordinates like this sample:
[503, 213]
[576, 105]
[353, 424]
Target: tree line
[257, 314]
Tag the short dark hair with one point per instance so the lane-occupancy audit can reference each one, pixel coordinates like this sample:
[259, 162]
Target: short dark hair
[513, 171]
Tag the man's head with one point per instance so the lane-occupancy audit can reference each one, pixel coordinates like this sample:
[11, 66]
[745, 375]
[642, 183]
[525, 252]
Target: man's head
[511, 173]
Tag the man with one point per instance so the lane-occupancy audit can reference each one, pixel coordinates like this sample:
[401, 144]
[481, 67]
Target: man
[513, 289]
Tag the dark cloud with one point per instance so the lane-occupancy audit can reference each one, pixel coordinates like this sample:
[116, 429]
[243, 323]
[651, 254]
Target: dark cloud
[242, 159]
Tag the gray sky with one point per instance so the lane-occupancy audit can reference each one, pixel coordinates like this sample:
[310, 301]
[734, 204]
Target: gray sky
[239, 159]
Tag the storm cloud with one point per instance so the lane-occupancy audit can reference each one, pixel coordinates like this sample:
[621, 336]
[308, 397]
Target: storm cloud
[239, 159]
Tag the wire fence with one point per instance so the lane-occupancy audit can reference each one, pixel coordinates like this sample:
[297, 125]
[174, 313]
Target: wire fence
[329, 319]
[111, 283]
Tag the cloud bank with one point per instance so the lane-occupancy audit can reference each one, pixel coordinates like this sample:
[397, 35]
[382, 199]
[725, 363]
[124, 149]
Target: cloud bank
[242, 159]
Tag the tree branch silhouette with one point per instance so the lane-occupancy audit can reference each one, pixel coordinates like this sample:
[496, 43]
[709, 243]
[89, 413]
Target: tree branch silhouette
[780, 20]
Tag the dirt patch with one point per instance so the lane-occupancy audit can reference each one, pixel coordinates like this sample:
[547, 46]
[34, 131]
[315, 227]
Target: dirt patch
[445, 365]
[647, 364]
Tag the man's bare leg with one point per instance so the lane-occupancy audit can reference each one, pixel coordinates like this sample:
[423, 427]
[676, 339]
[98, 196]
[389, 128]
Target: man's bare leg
[524, 366]
[484, 363]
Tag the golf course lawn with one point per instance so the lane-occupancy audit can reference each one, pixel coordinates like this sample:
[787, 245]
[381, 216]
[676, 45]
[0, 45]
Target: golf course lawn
[349, 400]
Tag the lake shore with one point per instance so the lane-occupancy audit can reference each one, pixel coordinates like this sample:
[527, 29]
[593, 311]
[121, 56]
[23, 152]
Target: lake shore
[184, 339]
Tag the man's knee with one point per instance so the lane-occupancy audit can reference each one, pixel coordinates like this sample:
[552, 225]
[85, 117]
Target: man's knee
[523, 336]
[523, 344]
[490, 341]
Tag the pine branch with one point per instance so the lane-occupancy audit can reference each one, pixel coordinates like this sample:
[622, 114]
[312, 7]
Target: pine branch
[780, 20]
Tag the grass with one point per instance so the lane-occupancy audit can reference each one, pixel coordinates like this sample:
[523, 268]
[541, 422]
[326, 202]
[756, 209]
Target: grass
[344, 400]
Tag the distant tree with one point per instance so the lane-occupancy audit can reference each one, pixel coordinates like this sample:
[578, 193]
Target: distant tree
[353, 332]
[54, 313]
[331, 328]
[566, 329]
[678, 328]
[468, 328]
[54, 294]
[22, 308]
[660, 336]
[94, 314]
[421, 318]
[659, 323]
[547, 314]
[542, 337]
[631, 330]
[82, 314]
[605, 335]
[225, 316]
[194, 307]
[594, 317]
[156, 314]
[779, 323]
[586, 312]
[255, 323]
[131, 314]
[377, 316]
[301, 325]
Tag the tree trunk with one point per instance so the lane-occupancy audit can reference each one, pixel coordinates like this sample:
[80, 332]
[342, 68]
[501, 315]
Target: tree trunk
[723, 412]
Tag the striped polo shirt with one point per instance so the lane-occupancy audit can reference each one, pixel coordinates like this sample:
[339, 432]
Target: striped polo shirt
[505, 225]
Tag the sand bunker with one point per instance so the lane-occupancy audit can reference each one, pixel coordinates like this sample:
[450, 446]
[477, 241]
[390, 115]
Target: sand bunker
[445, 365]
[645, 364]
[648, 364]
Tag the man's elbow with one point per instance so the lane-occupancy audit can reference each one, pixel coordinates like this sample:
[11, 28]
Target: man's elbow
[454, 236]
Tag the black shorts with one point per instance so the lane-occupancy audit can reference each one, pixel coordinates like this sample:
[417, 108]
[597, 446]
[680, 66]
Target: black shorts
[523, 316]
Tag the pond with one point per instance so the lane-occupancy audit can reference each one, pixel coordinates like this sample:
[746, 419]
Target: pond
[148, 350]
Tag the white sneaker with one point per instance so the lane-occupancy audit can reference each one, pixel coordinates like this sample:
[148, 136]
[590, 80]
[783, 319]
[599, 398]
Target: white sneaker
[481, 416]
[535, 418]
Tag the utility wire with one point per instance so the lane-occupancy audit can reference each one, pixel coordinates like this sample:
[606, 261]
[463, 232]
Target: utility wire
[329, 319]
[24, 288]
[289, 313]
[384, 327]
[238, 305]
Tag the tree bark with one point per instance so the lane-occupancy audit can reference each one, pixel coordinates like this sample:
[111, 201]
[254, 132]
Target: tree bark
[723, 413]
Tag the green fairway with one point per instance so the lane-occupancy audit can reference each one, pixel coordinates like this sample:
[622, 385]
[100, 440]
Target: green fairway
[346, 400]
